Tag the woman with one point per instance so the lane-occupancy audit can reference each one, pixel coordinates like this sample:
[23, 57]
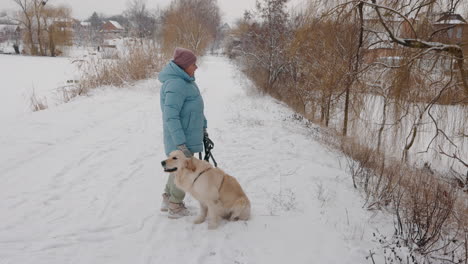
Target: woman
[184, 122]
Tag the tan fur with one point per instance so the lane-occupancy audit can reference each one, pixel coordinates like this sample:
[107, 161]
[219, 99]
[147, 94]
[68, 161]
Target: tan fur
[218, 199]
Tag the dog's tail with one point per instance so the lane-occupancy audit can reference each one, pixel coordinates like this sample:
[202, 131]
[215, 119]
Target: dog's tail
[240, 209]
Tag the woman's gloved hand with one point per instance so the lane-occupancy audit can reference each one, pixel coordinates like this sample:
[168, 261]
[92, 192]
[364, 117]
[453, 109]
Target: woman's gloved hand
[205, 135]
[185, 150]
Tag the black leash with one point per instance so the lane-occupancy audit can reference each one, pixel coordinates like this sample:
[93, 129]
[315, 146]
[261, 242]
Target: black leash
[209, 145]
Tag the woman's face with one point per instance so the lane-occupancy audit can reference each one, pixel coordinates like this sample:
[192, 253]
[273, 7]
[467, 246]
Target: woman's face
[191, 70]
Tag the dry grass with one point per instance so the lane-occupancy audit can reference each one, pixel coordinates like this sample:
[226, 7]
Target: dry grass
[430, 210]
[37, 104]
[141, 61]
[431, 214]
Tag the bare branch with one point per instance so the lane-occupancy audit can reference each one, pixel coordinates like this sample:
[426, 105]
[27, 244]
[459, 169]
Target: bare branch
[453, 156]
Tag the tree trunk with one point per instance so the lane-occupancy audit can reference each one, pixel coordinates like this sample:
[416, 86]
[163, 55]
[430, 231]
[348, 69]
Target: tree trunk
[346, 110]
[32, 47]
[382, 126]
[410, 144]
[322, 109]
[51, 43]
[39, 33]
[327, 110]
[354, 69]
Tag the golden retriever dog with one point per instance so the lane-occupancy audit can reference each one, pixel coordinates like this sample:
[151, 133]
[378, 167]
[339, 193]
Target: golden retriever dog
[219, 194]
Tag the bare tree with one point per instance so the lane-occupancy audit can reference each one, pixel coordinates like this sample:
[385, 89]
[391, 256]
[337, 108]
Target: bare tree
[274, 31]
[38, 7]
[379, 73]
[426, 74]
[46, 26]
[190, 23]
[26, 19]
[141, 20]
[57, 24]
[416, 41]
[96, 21]
[265, 34]
[89, 32]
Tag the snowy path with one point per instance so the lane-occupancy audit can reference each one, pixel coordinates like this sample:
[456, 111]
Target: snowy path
[81, 183]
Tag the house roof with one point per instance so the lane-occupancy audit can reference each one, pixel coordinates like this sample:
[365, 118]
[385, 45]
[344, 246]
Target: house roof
[451, 19]
[8, 27]
[6, 20]
[116, 24]
[64, 19]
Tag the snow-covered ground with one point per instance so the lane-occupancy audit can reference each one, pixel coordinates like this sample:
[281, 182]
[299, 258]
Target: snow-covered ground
[82, 183]
[20, 76]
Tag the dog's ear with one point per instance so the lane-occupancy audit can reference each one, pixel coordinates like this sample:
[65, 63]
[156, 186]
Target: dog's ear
[189, 164]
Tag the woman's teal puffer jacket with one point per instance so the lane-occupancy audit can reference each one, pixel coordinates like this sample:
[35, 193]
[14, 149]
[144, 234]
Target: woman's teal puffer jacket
[182, 110]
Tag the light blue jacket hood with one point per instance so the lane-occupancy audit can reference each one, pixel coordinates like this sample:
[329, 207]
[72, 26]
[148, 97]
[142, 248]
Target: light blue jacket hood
[172, 71]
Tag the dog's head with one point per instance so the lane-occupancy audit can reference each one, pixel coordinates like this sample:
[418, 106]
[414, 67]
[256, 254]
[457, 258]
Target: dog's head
[177, 161]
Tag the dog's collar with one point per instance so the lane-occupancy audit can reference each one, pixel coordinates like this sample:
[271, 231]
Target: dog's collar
[196, 178]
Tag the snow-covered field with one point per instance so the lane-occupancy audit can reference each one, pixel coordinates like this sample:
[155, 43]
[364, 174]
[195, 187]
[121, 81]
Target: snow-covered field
[82, 183]
[20, 76]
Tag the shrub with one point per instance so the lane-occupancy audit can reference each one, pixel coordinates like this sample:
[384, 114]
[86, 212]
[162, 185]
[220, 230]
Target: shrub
[37, 104]
[140, 61]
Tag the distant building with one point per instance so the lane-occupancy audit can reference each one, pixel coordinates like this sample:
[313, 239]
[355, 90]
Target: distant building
[112, 29]
[10, 33]
[85, 24]
[450, 28]
[83, 33]
[453, 29]
[112, 26]
[379, 44]
[86, 33]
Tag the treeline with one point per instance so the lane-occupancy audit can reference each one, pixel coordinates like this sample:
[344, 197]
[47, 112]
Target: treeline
[388, 78]
[43, 26]
[326, 62]
[192, 24]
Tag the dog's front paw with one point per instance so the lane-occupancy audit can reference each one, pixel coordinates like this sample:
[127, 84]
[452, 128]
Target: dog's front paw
[199, 220]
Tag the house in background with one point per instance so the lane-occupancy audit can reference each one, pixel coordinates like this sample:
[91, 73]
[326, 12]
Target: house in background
[112, 29]
[450, 28]
[64, 30]
[84, 33]
[378, 43]
[453, 29]
[10, 35]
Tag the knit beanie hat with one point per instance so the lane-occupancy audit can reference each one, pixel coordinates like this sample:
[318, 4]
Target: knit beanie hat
[184, 57]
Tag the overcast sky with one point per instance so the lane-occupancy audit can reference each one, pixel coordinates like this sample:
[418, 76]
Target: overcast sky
[83, 9]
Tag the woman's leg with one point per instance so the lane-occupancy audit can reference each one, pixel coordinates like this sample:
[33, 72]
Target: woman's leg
[176, 195]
